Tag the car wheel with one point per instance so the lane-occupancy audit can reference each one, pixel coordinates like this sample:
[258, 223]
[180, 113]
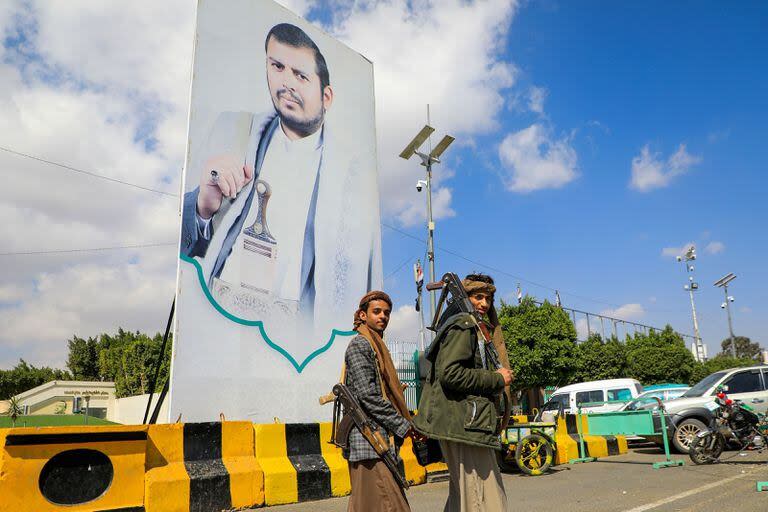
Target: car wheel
[685, 432]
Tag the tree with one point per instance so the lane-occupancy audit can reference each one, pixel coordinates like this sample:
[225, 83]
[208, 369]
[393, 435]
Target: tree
[659, 357]
[597, 360]
[25, 376]
[129, 359]
[745, 348]
[83, 359]
[541, 342]
[716, 364]
[14, 409]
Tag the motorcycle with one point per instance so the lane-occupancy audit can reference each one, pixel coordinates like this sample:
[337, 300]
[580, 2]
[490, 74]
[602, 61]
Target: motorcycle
[732, 421]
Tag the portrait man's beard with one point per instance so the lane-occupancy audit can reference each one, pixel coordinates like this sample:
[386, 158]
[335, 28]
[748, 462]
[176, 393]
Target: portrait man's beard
[304, 127]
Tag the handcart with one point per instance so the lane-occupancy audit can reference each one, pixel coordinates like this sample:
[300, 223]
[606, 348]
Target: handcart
[529, 447]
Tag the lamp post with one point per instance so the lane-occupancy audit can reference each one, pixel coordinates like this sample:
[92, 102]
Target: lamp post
[690, 255]
[427, 160]
[723, 283]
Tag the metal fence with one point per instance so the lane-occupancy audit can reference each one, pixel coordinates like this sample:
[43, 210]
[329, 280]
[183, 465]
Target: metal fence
[405, 362]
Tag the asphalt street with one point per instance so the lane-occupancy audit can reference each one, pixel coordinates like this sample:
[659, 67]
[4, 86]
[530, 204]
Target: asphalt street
[623, 483]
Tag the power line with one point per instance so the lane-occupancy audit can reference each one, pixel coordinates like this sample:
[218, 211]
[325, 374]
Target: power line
[157, 191]
[88, 173]
[93, 249]
[399, 267]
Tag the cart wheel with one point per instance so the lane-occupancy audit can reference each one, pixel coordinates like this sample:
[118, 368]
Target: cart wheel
[533, 454]
[506, 459]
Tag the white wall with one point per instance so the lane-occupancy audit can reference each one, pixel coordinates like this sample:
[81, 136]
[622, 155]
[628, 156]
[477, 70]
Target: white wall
[130, 410]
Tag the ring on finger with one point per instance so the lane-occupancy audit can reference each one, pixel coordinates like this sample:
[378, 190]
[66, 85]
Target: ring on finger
[214, 176]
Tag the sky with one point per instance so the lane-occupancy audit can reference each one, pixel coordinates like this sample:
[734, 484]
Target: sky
[594, 143]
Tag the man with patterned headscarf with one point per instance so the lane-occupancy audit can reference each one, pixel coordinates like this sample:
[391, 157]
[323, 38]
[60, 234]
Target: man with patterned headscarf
[458, 404]
[372, 378]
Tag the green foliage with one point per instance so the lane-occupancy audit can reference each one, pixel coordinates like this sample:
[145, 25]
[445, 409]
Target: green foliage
[14, 409]
[659, 357]
[598, 360]
[745, 348]
[83, 359]
[25, 376]
[540, 342]
[129, 358]
[717, 363]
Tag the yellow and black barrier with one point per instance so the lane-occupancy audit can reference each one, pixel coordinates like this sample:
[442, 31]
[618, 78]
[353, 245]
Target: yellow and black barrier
[72, 468]
[202, 467]
[567, 438]
[300, 464]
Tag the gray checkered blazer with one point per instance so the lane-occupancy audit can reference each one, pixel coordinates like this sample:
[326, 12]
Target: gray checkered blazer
[364, 383]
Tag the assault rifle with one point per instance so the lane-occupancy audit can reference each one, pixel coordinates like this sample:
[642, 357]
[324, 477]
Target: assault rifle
[450, 283]
[354, 415]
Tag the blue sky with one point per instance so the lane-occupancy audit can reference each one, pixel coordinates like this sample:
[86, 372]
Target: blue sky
[595, 140]
[619, 78]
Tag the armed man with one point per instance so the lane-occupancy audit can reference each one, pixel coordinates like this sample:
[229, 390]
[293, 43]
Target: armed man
[371, 380]
[460, 402]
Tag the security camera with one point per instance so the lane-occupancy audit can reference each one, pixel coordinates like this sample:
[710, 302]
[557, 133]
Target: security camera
[418, 186]
[731, 299]
[679, 258]
[722, 306]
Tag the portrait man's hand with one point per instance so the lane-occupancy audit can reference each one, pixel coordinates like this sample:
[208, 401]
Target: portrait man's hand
[231, 177]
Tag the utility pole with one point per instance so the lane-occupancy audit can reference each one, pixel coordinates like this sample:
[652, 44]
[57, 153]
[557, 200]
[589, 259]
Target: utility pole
[690, 255]
[723, 283]
[426, 161]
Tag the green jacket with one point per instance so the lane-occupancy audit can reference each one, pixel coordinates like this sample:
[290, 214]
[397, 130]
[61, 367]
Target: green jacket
[457, 401]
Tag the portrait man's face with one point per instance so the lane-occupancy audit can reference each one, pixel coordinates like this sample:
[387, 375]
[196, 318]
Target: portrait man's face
[295, 87]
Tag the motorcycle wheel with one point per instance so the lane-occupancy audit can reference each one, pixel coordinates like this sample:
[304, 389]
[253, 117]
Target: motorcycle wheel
[706, 449]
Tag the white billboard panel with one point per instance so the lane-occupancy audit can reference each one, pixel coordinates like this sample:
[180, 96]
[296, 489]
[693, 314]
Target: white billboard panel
[280, 228]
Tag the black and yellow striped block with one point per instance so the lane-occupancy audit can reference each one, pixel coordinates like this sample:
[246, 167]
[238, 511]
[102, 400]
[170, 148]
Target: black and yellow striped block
[300, 464]
[72, 468]
[567, 438]
[201, 467]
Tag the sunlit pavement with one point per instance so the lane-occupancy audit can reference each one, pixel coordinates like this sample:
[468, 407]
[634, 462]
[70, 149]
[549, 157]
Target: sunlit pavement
[616, 484]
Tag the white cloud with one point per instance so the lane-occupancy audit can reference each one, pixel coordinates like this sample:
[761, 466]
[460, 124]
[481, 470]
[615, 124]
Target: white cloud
[714, 247]
[745, 309]
[650, 172]
[441, 208]
[674, 252]
[533, 161]
[536, 97]
[630, 312]
[446, 54]
[403, 324]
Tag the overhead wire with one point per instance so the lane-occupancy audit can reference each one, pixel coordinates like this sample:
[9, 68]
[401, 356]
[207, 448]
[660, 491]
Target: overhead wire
[169, 194]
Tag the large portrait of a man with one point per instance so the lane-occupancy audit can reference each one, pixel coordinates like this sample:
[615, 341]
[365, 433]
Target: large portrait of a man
[272, 215]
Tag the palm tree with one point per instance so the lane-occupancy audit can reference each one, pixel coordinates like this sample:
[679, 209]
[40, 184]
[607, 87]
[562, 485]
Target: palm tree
[14, 409]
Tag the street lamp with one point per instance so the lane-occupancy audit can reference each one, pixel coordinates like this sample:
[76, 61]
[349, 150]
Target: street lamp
[692, 286]
[427, 160]
[723, 283]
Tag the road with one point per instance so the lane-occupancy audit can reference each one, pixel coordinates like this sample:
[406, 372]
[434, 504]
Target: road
[623, 483]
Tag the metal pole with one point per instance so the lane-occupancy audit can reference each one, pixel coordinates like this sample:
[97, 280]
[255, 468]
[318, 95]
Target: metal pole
[602, 327]
[589, 329]
[699, 351]
[430, 238]
[421, 323]
[730, 325]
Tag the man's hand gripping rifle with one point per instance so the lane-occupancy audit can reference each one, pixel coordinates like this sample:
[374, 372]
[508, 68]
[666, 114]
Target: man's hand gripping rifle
[450, 283]
[354, 415]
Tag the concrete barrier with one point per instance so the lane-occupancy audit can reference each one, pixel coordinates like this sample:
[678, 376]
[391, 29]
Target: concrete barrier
[567, 439]
[72, 468]
[202, 467]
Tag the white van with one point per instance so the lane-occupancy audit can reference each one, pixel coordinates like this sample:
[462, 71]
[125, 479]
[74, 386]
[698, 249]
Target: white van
[606, 395]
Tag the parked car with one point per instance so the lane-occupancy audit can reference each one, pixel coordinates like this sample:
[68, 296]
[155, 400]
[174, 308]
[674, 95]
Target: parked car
[689, 415]
[601, 395]
[647, 399]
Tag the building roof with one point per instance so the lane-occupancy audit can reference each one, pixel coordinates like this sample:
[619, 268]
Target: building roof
[73, 383]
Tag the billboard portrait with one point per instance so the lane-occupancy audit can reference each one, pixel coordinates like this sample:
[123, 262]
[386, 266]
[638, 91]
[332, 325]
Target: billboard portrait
[280, 232]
